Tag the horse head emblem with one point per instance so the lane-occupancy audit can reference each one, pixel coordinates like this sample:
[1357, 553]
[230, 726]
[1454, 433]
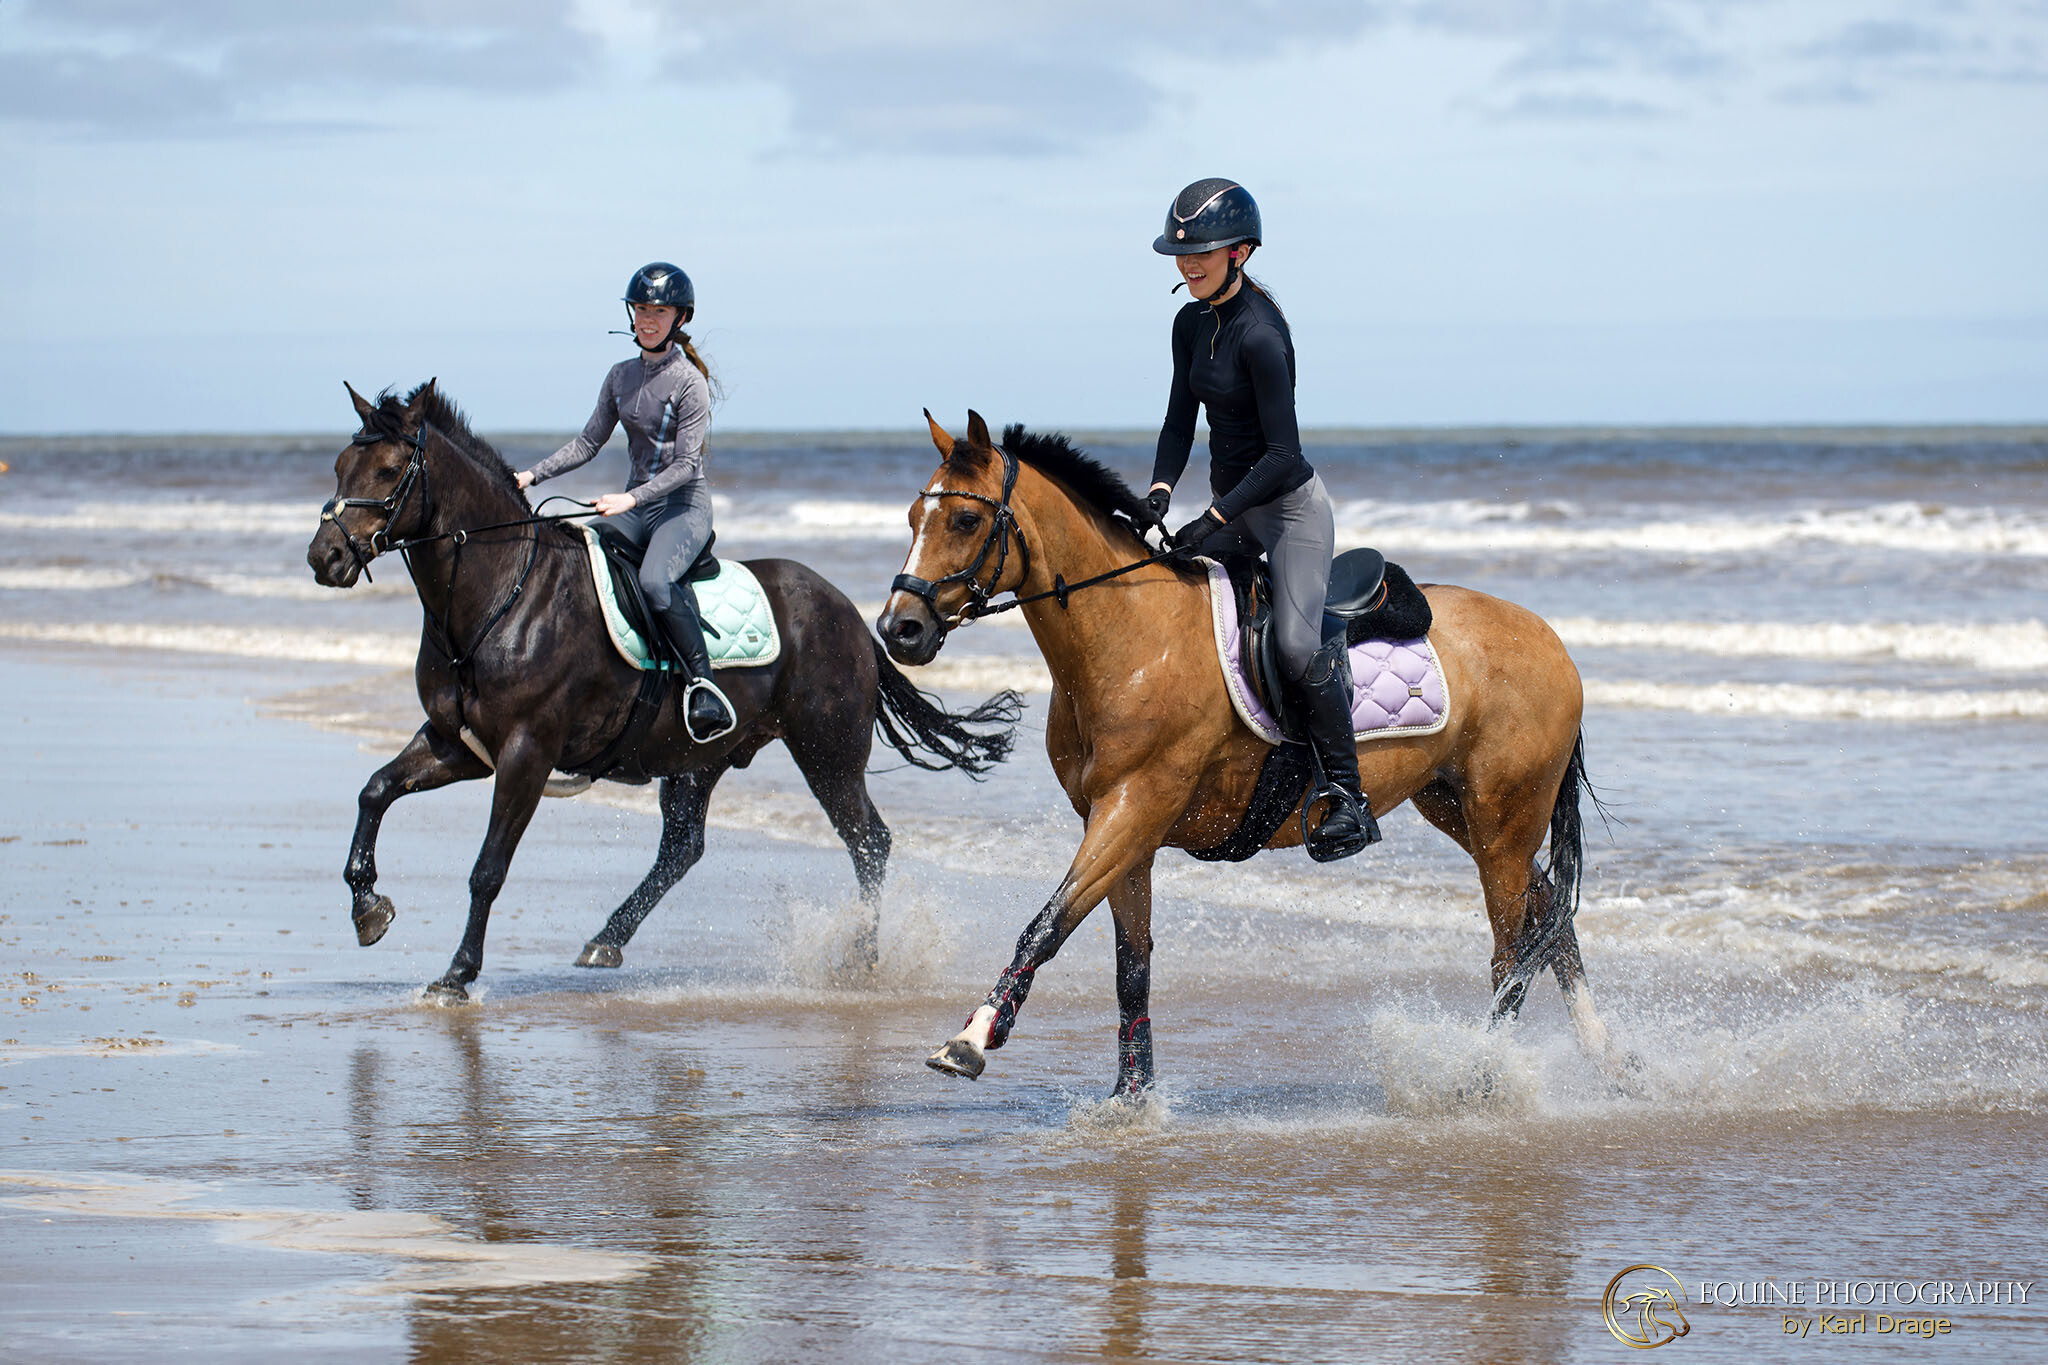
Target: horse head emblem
[1641, 1308]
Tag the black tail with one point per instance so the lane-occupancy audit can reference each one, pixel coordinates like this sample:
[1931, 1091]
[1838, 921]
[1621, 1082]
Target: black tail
[915, 725]
[1567, 867]
[1544, 935]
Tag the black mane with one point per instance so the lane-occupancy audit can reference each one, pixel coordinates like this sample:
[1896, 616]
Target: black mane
[388, 421]
[1051, 453]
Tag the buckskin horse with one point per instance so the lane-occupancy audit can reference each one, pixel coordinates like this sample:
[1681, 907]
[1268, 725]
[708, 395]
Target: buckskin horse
[1142, 735]
[514, 656]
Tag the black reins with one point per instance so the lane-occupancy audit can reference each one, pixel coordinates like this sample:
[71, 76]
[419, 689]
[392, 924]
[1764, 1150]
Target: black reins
[416, 472]
[1002, 526]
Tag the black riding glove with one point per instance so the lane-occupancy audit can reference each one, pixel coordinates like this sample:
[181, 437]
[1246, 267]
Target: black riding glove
[1156, 503]
[1195, 532]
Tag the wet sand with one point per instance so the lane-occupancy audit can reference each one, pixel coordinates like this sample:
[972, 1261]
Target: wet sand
[226, 1130]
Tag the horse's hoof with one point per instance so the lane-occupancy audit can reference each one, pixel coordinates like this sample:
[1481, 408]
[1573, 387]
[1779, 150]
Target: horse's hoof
[372, 923]
[1480, 1087]
[958, 1058]
[867, 955]
[567, 784]
[597, 954]
[447, 991]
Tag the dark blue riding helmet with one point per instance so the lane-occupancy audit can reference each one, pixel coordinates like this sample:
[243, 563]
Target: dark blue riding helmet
[1209, 214]
[658, 282]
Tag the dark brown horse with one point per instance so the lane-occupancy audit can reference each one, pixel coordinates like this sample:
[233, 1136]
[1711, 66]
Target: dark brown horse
[513, 654]
[1143, 738]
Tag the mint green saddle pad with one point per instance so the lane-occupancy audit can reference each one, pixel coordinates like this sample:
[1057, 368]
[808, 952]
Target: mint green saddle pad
[739, 626]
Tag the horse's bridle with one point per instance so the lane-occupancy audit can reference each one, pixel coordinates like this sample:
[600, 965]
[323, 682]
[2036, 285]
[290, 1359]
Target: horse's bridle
[1002, 526]
[415, 472]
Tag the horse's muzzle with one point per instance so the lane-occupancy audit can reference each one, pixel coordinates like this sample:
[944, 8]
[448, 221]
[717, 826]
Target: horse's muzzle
[327, 555]
[910, 631]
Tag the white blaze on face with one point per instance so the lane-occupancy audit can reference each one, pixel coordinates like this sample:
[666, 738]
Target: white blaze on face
[930, 509]
[929, 506]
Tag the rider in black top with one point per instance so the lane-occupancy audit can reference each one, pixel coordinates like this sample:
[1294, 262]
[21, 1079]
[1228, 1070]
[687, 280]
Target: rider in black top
[1237, 358]
[1234, 355]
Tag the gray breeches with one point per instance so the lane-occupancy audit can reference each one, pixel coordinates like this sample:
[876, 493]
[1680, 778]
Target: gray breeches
[1299, 533]
[674, 530]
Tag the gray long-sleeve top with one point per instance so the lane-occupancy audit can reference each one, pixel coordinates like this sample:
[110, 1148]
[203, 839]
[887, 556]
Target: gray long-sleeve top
[665, 404]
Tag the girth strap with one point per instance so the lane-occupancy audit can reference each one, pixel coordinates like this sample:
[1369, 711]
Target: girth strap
[626, 744]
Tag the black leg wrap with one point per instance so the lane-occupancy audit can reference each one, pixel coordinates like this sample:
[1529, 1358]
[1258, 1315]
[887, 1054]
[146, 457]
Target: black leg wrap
[1008, 997]
[1134, 1057]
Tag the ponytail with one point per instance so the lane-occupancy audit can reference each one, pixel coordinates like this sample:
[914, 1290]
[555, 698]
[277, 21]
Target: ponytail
[1251, 283]
[682, 339]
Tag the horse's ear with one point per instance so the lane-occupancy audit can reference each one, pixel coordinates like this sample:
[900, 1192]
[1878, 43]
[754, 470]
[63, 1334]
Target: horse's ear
[940, 437]
[977, 431]
[417, 404]
[363, 405]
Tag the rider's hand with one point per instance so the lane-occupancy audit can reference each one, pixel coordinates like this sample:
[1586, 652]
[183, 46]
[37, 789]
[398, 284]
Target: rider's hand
[1195, 532]
[524, 478]
[611, 504]
[1156, 503]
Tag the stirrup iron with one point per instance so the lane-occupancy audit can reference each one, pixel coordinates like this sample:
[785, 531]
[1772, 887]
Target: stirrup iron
[732, 712]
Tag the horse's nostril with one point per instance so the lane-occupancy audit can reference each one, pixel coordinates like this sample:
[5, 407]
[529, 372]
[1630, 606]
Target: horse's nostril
[907, 629]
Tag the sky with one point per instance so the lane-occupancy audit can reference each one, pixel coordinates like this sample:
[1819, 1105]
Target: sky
[1477, 211]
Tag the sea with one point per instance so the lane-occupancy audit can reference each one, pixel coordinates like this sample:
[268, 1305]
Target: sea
[1816, 910]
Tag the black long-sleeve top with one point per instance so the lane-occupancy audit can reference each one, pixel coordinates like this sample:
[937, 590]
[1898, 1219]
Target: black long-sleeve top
[1238, 361]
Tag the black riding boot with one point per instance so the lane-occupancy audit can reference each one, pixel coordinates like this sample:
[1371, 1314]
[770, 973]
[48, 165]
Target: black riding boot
[1347, 825]
[706, 712]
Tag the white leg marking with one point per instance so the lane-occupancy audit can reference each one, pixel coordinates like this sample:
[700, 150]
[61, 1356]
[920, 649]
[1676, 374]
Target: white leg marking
[1593, 1039]
[975, 1035]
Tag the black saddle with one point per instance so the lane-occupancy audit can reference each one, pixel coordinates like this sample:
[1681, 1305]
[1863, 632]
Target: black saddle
[1369, 599]
[624, 558]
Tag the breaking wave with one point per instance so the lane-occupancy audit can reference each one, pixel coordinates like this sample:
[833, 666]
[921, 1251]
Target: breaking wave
[1469, 526]
[1446, 526]
[1994, 647]
[1799, 701]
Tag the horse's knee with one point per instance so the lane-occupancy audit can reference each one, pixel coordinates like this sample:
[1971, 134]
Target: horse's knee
[681, 854]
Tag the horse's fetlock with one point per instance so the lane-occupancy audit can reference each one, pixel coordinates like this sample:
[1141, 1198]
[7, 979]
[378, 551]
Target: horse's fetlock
[1011, 990]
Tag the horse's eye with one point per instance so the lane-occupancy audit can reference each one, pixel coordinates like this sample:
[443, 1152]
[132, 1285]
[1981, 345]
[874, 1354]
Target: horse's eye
[966, 521]
[388, 475]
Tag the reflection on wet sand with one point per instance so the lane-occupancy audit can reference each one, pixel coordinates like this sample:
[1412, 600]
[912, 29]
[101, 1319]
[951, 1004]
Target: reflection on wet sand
[438, 1258]
[1130, 1297]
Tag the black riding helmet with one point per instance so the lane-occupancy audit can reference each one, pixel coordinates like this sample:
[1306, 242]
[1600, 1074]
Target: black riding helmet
[658, 282]
[1209, 214]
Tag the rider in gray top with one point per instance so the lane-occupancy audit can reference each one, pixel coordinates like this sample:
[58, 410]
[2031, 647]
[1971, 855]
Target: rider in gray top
[664, 401]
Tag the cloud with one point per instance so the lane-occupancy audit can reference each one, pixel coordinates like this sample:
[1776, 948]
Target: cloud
[1653, 37]
[1581, 105]
[948, 77]
[1873, 39]
[1970, 48]
[217, 66]
[926, 76]
[122, 91]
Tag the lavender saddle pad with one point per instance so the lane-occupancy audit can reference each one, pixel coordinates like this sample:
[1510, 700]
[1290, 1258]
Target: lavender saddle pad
[1397, 686]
